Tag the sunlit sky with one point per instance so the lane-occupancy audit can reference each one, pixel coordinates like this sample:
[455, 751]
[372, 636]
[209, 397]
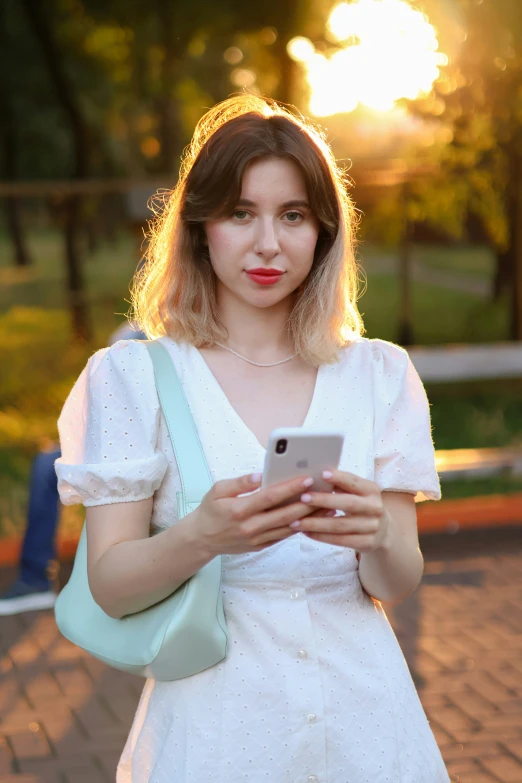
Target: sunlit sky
[384, 50]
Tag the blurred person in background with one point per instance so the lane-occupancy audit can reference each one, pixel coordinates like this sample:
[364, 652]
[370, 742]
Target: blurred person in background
[33, 588]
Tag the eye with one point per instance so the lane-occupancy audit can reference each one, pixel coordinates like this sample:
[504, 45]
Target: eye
[294, 217]
[240, 214]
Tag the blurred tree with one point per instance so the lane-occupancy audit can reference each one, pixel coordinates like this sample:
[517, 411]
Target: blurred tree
[172, 62]
[476, 110]
[41, 23]
[122, 85]
[139, 76]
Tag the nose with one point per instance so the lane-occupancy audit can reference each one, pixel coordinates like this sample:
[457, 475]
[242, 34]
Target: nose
[267, 242]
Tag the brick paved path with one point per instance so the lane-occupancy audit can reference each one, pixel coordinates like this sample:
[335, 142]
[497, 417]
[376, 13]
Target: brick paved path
[65, 717]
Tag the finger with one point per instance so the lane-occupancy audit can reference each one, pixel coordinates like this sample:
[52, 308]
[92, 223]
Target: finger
[338, 525]
[269, 536]
[228, 488]
[323, 512]
[361, 543]
[343, 501]
[350, 482]
[274, 495]
[280, 517]
[263, 534]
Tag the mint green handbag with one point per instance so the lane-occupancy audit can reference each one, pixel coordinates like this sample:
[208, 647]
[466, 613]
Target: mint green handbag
[186, 632]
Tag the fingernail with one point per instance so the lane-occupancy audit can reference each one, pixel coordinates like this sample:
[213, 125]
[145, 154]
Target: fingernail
[308, 482]
[297, 523]
[306, 497]
[327, 474]
[255, 478]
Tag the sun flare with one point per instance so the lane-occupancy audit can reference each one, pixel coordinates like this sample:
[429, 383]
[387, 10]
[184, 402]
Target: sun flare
[388, 50]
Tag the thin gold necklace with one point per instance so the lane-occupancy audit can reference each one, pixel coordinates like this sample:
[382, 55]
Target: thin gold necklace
[257, 364]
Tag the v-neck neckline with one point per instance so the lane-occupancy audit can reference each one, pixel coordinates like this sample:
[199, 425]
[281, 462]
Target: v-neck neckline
[240, 422]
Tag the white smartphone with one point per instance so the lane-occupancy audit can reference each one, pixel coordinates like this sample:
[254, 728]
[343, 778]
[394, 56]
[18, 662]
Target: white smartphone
[294, 451]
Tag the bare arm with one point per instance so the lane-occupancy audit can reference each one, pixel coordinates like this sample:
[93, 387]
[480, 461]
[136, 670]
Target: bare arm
[129, 571]
[394, 570]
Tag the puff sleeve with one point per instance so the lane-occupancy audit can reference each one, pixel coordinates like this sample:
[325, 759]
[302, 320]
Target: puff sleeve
[108, 430]
[403, 444]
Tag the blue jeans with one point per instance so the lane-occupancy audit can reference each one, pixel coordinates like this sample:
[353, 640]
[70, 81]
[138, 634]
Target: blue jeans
[39, 546]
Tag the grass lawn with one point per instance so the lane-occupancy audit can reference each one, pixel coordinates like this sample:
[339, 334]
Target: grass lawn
[477, 261]
[440, 315]
[40, 362]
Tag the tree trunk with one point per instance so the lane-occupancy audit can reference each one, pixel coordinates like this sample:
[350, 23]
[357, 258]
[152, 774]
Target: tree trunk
[14, 228]
[405, 332]
[91, 236]
[503, 271]
[10, 146]
[504, 263]
[12, 204]
[505, 260]
[42, 28]
[516, 321]
[75, 281]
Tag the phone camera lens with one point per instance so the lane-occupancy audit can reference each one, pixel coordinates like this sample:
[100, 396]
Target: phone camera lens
[281, 446]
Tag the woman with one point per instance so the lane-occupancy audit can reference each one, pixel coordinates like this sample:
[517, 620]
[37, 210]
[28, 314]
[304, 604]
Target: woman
[251, 286]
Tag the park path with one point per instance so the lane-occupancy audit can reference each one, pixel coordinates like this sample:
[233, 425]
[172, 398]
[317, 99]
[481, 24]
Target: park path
[454, 281]
[65, 716]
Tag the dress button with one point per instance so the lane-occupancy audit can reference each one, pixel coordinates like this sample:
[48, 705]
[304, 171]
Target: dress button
[313, 779]
[294, 594]
[311, 717]
[302, 654]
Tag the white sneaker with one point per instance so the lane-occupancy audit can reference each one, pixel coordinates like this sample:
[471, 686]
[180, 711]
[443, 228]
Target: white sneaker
[24, 598]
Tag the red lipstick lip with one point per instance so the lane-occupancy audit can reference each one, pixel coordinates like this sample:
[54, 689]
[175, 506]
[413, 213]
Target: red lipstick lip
[264, 277]
[263, 271]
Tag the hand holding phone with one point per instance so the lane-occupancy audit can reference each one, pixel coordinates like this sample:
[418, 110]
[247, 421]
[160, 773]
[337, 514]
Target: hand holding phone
[233, 517]
[294, 452]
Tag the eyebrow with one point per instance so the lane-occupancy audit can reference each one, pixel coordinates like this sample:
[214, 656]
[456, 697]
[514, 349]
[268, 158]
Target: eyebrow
[245, 202]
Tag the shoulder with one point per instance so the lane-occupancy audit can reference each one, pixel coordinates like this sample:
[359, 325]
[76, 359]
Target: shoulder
[392, 360]
[376, 355]
[381, 367]
[122, 371]
[121, 357]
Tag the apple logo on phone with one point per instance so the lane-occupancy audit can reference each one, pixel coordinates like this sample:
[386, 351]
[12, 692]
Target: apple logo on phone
[302, 463]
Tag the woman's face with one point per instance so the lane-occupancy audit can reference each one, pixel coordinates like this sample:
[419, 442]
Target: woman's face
[271, 229]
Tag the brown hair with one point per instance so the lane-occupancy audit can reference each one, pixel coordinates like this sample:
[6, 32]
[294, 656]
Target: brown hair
[173, 293]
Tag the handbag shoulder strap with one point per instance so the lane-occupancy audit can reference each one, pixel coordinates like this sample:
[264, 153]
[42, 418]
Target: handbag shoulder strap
[195, 475]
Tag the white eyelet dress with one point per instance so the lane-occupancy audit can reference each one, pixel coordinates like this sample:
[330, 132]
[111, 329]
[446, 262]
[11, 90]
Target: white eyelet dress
[315, 688]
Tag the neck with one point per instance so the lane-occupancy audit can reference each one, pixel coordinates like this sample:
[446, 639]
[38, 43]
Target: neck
[257, 333]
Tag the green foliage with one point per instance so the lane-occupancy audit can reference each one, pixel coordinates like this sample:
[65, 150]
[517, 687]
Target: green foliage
[477, 106]
[475, 113]
[40, 366]
[141, 74]
[39, 360]
[440, 315]
[476, 415]
[503, 484]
